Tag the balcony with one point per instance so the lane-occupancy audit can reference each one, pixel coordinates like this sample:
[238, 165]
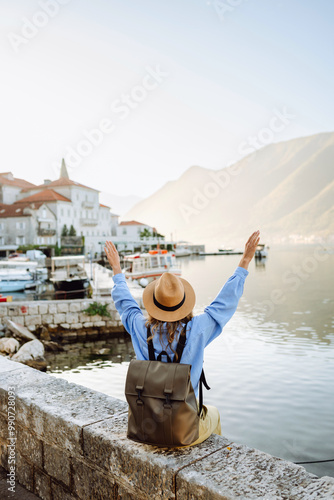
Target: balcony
[89, 222]
[46, 232]
[88, 204]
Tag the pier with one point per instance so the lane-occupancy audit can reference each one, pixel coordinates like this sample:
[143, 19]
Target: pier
[71, 444]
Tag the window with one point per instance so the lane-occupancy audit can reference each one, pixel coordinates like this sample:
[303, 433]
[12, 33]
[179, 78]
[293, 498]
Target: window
[75, 213]
[62, 212]
[20, 225]
[2, 240]
[44, 213]
[1, 226]
[124, 230]
[20, 240]
[69, 212]
[78, 196]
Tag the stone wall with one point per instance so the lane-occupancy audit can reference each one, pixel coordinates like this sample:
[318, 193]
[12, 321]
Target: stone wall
[64, 319]
[71, 444]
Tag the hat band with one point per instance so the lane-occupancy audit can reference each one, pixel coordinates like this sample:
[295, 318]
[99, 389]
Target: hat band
[166, 308]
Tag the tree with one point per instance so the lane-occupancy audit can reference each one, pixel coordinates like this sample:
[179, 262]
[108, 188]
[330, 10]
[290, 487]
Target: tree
[64, 230]
[145, 233]
[72, 231]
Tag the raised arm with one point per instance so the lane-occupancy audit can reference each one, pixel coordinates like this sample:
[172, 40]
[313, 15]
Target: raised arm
[221, 310]
[130, 312]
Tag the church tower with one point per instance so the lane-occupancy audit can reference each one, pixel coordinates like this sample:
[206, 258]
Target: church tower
[63, 171]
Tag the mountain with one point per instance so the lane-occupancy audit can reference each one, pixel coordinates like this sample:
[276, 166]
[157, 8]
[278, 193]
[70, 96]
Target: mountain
[119, 204]
[284, 189]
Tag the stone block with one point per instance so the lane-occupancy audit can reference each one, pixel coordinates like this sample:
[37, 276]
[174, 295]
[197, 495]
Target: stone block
[59, 318]
[76, 326]
[29, 446]
[84, 318]
[242, 472]
[142, 469]
[62, 307]
[33, 310]
[43, 309]
[18, 319]
[3, 311]
[32, 328]
[54, 409]
[88, 324]
[72, 317]
[15, 311]
[24, 472]
[98, 324]
[65, 326]
[42, 485]
[89, 483]
[75, 307]
[59, 492]
[57, 463]
[52, 307]
[47, 319]
[34, 319]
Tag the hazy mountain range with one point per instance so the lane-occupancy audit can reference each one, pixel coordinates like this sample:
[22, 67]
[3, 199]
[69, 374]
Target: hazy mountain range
[119, 204]
[284, 189]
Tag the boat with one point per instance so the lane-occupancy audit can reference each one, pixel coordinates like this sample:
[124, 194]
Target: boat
[39, 273]
[69, 277]
[15, 280]
[182, 252]
[261, 251]
[230, 251]
[148, 266]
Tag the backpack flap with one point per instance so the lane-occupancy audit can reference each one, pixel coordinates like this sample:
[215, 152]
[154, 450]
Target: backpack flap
[153, 378]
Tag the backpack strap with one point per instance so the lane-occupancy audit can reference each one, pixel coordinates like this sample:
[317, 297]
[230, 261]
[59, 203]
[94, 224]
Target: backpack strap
[202, 381]
[150, 345]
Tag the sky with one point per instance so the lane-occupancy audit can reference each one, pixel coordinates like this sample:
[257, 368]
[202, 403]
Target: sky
[133, 93]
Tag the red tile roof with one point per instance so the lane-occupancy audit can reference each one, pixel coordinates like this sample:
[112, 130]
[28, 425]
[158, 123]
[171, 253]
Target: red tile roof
[58, 183]
[131, 223]
[45, 195]
[14, 210]
[104, 206]
[21, 183]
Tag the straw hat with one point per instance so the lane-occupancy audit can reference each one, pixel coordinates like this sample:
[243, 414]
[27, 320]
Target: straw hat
[169, 298]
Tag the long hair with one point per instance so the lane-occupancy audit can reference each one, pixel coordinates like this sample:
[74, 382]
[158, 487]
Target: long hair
[172, 327]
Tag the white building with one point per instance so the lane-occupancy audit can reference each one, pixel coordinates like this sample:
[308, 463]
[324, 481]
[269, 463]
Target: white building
[133, 234]
[66, 203]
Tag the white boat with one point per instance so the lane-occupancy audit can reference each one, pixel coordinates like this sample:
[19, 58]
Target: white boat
[229, 251]
[261, 251]
[146, 267]
[69, 276]
[14, 280]
[33, 267]
[182, 252]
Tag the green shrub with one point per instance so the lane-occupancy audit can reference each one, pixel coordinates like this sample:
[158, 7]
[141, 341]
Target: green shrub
[97, 308]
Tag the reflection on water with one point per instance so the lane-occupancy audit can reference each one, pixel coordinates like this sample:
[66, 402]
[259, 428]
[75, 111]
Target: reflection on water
[272, 370]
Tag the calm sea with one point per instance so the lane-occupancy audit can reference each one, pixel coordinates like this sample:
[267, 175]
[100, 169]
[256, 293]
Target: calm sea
[271, 371]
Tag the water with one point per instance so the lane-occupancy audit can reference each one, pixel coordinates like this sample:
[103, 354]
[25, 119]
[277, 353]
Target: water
[271, 372]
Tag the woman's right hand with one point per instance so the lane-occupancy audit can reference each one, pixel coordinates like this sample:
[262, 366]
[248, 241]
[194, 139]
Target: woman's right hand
[250, 248]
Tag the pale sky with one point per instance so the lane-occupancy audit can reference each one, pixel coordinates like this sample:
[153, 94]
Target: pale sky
[225, 72]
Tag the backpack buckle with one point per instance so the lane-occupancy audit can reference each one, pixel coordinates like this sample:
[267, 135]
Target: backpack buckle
[167, 403]
[139, 401]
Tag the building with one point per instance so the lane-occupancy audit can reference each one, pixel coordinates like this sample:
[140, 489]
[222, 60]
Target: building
[62, 202]
[133, 234]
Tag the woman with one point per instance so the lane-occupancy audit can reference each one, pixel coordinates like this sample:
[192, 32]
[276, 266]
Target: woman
[169, 302]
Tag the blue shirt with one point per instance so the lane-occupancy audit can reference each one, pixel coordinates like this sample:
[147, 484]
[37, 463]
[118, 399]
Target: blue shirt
[201, 330]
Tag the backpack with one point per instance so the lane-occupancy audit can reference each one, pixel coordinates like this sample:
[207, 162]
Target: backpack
[163, 409]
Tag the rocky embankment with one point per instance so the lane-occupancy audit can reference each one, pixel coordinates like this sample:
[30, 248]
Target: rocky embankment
[21, 345]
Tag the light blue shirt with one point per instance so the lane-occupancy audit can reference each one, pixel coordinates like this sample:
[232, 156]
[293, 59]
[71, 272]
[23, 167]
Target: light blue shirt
[201, 330]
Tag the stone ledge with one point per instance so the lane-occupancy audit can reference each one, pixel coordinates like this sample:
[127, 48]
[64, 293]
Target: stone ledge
[83, 452]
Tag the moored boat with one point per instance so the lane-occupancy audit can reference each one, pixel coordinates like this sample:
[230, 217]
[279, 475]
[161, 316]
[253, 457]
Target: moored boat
[146, 267]
[69, 277]
[15, 280]
[261, 251]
